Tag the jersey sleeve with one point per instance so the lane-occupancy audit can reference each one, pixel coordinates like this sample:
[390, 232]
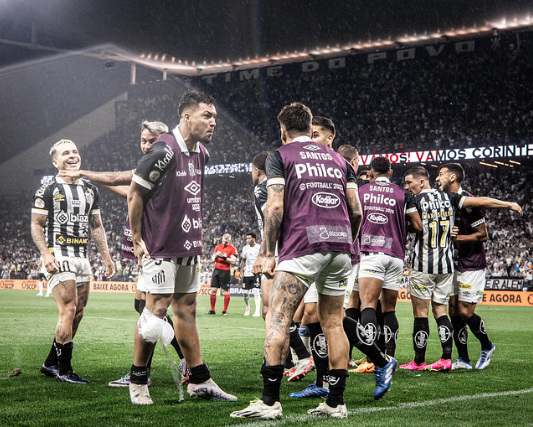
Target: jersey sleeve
[410, 203]
[351, 178]
[95, 209]
[42, 200]
[154, 165]
[457, 200]
[274, 169]
[474, 216]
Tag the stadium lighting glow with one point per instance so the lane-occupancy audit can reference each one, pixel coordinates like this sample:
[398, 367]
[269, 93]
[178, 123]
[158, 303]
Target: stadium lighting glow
[488, 164]
[517, 163]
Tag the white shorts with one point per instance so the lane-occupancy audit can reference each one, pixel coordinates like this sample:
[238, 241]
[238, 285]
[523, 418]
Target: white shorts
[71, 268]
[469, 286]
[329, 270]
[353, 279]
[384, 267]
[435, 287]
[311, 296]
[171, 275]
[141, 283]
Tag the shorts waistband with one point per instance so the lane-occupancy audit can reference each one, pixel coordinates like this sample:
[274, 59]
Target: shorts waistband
[371, 253]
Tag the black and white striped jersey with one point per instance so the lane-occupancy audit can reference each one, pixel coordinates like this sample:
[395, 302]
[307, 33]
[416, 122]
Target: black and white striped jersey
[67, 207]
[260, 200]
[433, 252]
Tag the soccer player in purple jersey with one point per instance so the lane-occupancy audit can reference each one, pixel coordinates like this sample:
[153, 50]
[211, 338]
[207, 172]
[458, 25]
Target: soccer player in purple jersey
[165, 211]
[313, 215]
[118, 183]
[386, 208]
[431, 274]
[468, 236]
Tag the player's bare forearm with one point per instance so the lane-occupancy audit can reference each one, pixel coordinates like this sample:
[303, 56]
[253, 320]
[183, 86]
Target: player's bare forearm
[490, 203]
[135, 211]
[480, 234]
[38, 222]
[98, 235]
[119, 190]
[273, 217]
[108, 178]
[354, 211]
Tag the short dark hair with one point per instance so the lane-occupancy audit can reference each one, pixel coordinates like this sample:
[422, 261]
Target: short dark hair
[363, 172]
[259, 161]
[192, 98]
[252, 235]
[380, 165]
[456, 169]
[417, 172]
[349, 152]
[297, 119]
[325, 123]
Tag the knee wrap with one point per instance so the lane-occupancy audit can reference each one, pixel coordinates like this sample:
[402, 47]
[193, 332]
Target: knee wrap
[152, 328]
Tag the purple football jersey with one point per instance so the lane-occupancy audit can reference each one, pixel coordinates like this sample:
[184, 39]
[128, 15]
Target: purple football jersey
[384, 206]
[315, 216]
[126, 250]
[172, 217]
[470, 256]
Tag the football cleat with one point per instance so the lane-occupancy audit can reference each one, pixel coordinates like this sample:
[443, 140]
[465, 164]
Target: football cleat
[311, 391]
[384, 378]
[211, 312]
[485, 357]
[125, 382]
[260, 410]
[412, 366]
[247, 311]
[303, 367]
[363, 367]
[140, 395]
[50, 371]
[461, 364]
[324, 409]
[184, 372]
[71, 377]
[209, 390]
[441, 365]
[224, 313]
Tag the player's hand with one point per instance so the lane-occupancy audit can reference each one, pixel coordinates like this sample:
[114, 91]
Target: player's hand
[109, 268]
[70, 174]
[139, 249]
[258, 265]
[515, 207]
[50, 263]
[269, 266]
[454, 233]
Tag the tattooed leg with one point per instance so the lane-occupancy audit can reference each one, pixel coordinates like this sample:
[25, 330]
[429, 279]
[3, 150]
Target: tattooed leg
[66, 298]
[285, 296]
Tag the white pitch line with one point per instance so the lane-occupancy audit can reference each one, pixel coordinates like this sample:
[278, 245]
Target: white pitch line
[409, 405]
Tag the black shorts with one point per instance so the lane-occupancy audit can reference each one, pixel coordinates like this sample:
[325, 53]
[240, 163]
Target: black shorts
[42, 276]
[250, 282]
[220, 279]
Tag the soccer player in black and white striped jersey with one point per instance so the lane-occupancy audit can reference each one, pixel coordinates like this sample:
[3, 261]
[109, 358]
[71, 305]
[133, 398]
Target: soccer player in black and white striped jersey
[68, 209]
[431, 273]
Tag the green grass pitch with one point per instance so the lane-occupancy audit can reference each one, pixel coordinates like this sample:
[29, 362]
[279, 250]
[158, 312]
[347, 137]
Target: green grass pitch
[501, 395]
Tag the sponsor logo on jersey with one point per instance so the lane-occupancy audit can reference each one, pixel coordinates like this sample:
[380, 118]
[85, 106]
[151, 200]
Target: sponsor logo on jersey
[378, 199]
[39, 203]
[315, 156]
[312, 147]
[154, 175]
[181, 173]
[319, 169]
[435, 204]
[326, 200]
[193, 187]
[62, 217]
[76, 203]
[59, 197]
[163, 163]
[71, 241]
[187, 245]
[378, 218]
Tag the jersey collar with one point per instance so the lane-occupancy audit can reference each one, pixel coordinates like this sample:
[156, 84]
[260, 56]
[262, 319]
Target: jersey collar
[62, 181]
[181, 142]
[382, 179]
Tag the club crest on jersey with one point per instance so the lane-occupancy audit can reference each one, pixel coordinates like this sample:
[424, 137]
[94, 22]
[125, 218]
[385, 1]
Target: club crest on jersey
[154, 175]
[192, 169]
[89, 196]
[39, 203]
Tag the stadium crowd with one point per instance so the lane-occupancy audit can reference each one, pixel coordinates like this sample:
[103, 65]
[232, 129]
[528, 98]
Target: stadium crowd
[455, 101]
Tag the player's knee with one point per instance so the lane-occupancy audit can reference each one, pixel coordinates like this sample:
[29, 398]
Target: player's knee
[152, 328]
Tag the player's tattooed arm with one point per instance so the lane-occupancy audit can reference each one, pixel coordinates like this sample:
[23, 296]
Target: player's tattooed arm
[100, 241]
[480, 234]
[273, 219]
[38, 222]
[354, 211]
